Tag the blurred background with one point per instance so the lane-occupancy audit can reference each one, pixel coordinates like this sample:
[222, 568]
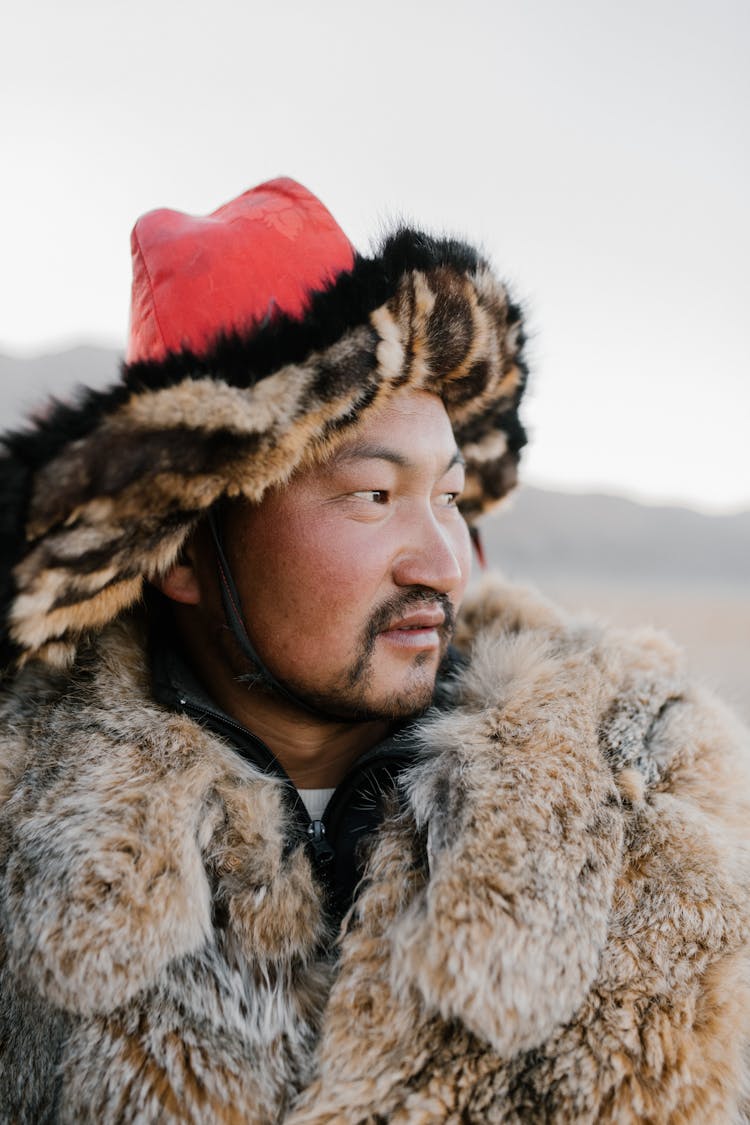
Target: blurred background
[599, 154]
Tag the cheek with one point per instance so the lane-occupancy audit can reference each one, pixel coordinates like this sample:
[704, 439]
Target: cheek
[321, 572]
[349, 572]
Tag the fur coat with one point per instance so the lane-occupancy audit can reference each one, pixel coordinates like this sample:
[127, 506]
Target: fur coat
[552, 926]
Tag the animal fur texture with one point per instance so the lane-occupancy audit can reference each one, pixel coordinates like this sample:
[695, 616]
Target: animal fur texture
[552, 927]
[103, 494]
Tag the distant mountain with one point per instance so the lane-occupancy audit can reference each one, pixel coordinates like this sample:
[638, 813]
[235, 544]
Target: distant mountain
[541, 535]
[25, 384]
[544, 535]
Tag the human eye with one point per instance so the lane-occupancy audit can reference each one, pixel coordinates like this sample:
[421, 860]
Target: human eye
[449, 499]
[450, 488]
[373, 495]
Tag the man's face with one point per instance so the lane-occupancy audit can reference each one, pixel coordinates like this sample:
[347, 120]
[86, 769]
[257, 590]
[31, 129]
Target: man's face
[350, 575]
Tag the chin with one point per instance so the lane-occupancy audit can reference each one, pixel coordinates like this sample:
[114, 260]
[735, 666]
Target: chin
[397, 708]
[392, 704]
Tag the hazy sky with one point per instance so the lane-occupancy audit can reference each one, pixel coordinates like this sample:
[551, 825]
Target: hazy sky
[597, 150]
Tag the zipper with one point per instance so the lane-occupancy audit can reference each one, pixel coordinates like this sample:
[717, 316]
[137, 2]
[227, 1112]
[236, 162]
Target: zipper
[323, 852]
[320, 835]
[254, 749]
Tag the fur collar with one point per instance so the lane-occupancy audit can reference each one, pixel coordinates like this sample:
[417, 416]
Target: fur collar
[115, 781]
[560, 856]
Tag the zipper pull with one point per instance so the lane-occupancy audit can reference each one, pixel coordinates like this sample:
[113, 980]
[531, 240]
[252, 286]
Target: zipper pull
[323, 853]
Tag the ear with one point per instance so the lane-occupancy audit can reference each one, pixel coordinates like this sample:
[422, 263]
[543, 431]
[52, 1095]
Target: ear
[180, 583]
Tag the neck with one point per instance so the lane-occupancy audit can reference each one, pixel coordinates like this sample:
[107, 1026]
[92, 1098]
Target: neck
[316, 753]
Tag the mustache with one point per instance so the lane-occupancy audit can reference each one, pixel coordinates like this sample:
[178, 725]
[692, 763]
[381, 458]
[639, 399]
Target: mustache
[392, 610]
[401, 603]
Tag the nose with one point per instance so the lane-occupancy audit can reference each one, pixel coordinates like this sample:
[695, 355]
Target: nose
[434, 555]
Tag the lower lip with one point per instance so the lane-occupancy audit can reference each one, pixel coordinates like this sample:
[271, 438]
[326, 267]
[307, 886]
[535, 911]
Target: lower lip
[413, 639]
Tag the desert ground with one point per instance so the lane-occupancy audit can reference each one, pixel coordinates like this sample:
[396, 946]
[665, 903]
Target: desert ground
[711, 623]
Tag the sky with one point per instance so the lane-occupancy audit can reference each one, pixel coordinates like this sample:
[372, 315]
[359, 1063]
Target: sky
[597, 151]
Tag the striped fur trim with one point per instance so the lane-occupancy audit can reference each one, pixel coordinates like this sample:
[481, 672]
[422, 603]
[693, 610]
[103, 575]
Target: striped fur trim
[103, 494]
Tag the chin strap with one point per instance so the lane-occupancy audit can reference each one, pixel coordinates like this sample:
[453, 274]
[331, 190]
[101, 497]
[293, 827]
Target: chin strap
[236, 622]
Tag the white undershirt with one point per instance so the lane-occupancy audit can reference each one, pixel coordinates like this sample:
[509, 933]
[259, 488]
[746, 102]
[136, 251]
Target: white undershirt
[315, 801]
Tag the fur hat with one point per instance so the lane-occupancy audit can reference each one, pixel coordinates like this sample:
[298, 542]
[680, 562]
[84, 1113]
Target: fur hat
[257, 338]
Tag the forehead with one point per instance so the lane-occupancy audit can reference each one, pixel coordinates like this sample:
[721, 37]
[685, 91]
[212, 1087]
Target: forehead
[412, 422]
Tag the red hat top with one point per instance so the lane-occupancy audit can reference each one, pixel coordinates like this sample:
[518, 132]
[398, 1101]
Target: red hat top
[196, 277]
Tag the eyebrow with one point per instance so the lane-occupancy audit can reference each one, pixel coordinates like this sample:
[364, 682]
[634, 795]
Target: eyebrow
[362, 451]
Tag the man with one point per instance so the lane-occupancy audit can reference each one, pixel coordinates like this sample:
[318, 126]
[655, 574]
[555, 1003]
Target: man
[272, 847]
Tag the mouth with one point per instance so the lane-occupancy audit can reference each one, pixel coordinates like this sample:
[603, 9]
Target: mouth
[415, 631]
